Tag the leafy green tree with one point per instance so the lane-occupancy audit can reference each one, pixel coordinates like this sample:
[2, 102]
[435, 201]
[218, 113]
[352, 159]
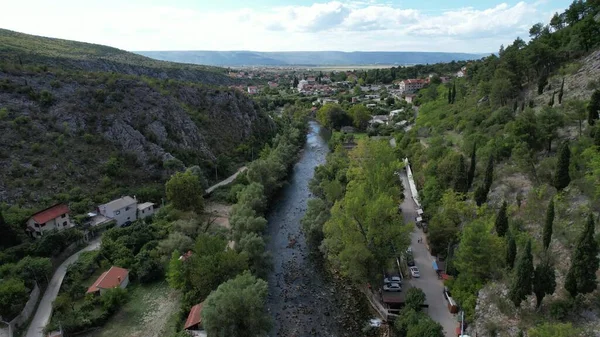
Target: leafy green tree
[550, 120]
[259, 259]
[408, 318]
[593, 108]
[511, 251]
[185, 191]
[333, 116]
[426, 327]
[317, 213]
[576, 111]
[175, 271]
[244, 220]
[472, 167]
[13, 296]
[477, 255]
[360, 116]
[554, 330]
[522, 283]
[461, 179]
[547, 234]
[544, 281]
[415, 298]
[266, 172]
[581, 277]
[8, 238]
[501, 223]
[35, 268]
[253, 195]
[562, 177]
[244, 294]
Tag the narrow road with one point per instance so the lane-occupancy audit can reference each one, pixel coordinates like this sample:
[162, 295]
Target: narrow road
[428, 282]
[226, 181]
[44, 310]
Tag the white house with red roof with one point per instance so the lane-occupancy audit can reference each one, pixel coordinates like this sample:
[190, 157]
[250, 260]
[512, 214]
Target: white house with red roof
[113, 278]
[252, 90]
[53, 217]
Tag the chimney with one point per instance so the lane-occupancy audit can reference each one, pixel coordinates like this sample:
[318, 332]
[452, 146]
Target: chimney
[119, 278]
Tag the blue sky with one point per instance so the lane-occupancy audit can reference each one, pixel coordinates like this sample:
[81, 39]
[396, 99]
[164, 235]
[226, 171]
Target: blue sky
[270, 25]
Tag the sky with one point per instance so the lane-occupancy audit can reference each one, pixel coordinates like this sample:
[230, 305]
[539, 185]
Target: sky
[478, 26]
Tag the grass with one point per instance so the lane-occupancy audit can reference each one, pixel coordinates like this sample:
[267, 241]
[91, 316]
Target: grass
[147, 313]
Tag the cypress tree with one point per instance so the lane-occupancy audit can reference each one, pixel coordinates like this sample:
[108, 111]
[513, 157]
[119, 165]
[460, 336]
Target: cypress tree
[597, 136]
[561, 176]
[511, 251]
[454, 93]
[561, 91]
[489, 175]
[551, 103]
[480, 195]
[461, 179]
[522, 284]
[472, 167]
[501, 223]
[594, 107]
[522, 106]
[515, 106]
[547, 236]
[449, 95]
[581, 277]
[544, 281]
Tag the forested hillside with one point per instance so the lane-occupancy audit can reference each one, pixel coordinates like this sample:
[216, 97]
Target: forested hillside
[507, 161]
[84, 135]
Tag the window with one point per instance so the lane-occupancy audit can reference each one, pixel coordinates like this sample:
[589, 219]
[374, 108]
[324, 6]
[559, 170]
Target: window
[64, 223]
[127, 208]
[143, 211]
[63, 216]
[117, 212]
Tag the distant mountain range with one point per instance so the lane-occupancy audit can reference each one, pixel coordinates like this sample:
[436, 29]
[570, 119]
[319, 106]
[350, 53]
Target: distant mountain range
[306, 58]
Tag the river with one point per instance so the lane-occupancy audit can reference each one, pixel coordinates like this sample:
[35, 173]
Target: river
[302, 301]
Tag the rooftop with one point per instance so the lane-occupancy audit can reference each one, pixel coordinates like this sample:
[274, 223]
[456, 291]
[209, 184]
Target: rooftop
[50, 213]
[121, 202]
[194, 317]
[109, 279]
[145, 205]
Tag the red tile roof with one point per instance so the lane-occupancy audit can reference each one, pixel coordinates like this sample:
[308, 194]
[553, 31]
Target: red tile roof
[109, 279]
[195, 316]
[50, 213]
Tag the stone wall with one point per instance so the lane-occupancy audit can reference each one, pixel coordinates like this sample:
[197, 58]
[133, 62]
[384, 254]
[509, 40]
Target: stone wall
[26, 312]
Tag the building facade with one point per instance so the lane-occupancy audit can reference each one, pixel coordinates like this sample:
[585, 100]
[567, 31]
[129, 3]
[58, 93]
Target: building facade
[410, 86]
[122, 210]
[52, 218]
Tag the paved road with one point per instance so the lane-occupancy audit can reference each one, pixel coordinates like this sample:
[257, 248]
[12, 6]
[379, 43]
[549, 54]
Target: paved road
[44, 310]
[428, 282]
[226, 181]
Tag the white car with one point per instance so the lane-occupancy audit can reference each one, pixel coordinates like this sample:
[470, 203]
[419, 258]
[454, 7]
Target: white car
[392, 287]
[414, 272]
[393, 279]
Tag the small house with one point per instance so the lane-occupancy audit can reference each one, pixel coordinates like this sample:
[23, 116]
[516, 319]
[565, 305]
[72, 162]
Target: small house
[348, 129]
[122, 210]
[53, 217]
[193, 323]
[113, 278]
[379, 119]
[145, 210]
[409, 98]
[252, 90]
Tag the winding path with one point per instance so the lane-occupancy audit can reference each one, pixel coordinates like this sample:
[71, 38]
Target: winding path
[44, 309]
[226, 181]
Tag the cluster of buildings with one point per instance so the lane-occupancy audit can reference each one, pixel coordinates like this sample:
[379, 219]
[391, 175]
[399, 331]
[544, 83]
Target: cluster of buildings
[122, 211]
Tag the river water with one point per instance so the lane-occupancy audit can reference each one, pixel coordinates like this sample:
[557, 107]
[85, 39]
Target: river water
[302, 301]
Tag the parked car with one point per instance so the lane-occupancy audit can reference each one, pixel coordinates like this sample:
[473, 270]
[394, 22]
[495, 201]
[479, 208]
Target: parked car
[394, 287]
[392, 279]
[414, 272]
[410, 260]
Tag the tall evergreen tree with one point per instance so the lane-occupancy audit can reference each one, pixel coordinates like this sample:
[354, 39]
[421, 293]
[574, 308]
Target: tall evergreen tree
[551, 103]
[561, 91]
[480, 195]
[489, 175]
[561, 176]
[511, 250]
[461, 178]
[547, 235]
[454, 93]
[472, 167]
[501, 223]
[522, 283]
[581, 277]
[544, 281]
[449, 95]
[594, 107]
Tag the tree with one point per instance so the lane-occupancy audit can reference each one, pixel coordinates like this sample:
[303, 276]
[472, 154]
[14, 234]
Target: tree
[561, 176]
[561, 91]
[426, 327]
[544, 281]
[185, 191]
[35, 268]
[453, 92]
[253, 195]
[8, 238]
[113, 299]
[415, 298]
[259, 259]
[551, 103]
[489, 175]
[550, 120]
[501, 223]
[576, 111]
[511, 251]
[175, 272]
[593, 107]
[472, 167]
[554, 330]
[547, 234]
[461, 178]
[522, 283]
[244, 294]
[480, 195]
[360, 116]
[13, 296]
[477, 255]
[333, 116]
[581, 277]
[449, 95]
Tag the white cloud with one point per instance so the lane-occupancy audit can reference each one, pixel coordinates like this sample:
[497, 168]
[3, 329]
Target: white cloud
[334, 25]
